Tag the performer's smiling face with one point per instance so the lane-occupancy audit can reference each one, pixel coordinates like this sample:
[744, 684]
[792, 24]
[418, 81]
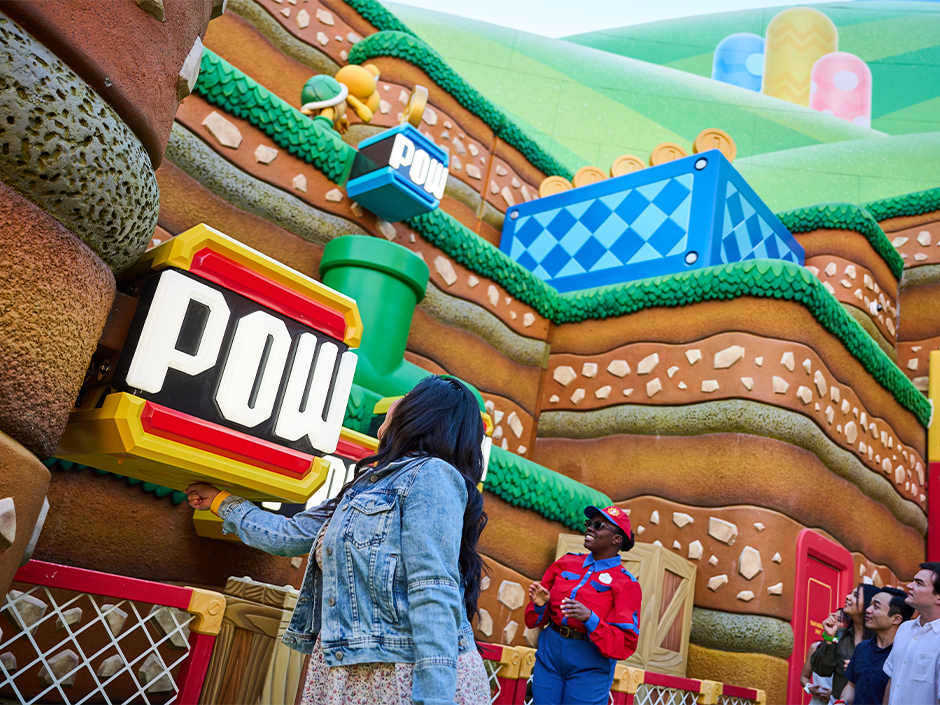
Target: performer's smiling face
[599, 534]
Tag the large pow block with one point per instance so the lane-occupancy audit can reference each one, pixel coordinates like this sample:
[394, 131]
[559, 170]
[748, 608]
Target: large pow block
[687, 214]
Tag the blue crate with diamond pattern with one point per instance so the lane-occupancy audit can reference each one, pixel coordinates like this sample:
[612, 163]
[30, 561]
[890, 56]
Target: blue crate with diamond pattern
[691, 213]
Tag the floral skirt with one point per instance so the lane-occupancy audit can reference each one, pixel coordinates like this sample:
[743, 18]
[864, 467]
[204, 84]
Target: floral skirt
[385, 682]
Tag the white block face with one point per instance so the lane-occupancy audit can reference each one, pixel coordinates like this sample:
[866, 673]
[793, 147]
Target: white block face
[253, 370]
[403, 152]
[156, 351]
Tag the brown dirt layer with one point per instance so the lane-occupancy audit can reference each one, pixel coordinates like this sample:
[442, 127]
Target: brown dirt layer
[473, 359]
[245, 48]
[920, 312]
[851, 246]
[721, 470]
[143, 536]
[55, 299]
[508, 625]
[519, 538]
[185, 203]
[108, 49]
[767, 673]
[770, 318]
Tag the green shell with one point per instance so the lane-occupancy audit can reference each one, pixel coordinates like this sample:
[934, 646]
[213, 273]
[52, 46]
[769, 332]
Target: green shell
[320, 88]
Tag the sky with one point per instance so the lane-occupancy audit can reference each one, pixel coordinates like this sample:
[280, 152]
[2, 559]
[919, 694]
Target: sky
[554, 18]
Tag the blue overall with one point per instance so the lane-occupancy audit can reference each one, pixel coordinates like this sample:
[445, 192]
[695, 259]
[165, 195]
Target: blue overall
[570, 672]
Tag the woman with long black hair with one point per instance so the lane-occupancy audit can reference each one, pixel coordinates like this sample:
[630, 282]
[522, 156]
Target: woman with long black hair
[394, 576]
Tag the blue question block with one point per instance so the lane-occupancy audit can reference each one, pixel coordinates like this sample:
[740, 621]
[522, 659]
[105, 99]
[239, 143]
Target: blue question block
[687, 214]
[398, 174]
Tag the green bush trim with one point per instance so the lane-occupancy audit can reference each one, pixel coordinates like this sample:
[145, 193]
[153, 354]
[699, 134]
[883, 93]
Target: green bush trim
[223, 85]
[845, 216]
[378, 16]
[406, 46]
[523, 483]
[909, 204]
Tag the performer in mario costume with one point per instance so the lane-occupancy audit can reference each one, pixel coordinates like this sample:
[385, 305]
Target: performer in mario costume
[590, 606]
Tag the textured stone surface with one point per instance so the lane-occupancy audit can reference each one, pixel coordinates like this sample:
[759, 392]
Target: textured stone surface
[66, 150]
[109, 667]
[154, 676]
[511, 594]
[58, 665]
[485, 624]
[168, 622]
[724, 531]
[25, 611]
[114, 617]
[741, 632]
[108, 48]
[7, 523]
[768, 673]
[26, 480]
[55, 298]
[70, 617]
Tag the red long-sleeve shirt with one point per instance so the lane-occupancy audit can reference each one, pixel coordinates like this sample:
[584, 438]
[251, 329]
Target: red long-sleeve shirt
[604, 587]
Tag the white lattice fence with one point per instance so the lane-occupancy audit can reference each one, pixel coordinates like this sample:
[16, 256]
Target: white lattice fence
[87, 637]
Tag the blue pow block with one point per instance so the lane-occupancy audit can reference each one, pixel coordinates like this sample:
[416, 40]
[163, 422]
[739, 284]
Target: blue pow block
[398, 174]
[739, 60]
[687, 214]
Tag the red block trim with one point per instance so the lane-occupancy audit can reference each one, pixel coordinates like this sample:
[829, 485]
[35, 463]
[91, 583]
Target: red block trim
[666, 681]
[176, 426]
[226, 272]
[736, 691]
[352, 451]
[120, 587]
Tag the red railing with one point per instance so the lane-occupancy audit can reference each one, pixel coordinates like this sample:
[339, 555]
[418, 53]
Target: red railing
[99, 641]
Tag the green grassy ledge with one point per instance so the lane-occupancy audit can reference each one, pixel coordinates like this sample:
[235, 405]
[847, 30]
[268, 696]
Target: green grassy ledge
[845, 216]
[223, 85]
[406, 46]
[909, 204]
[523, 483]
[378, 16]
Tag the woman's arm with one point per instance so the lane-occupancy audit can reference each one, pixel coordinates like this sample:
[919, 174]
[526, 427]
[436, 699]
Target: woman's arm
[269, 532]
[431, 531]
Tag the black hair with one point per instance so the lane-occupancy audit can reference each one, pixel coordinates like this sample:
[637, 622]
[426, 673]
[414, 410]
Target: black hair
[934, 568]
[898, 604]
[627, 542]
[868, 592]
[440, 418]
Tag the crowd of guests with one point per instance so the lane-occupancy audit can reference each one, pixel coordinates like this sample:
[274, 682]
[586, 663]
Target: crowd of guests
[875, 652]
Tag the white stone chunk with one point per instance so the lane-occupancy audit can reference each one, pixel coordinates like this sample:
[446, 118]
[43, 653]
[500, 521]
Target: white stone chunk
[745, 595]
[528, 319]
[749, 563]
[830, 414]
[492, 294]
[225, 133]
[628, 392]
[511, 594]
[494, 188]
[828, 287]
[8, 660]
[777, 558]
[851, 432]
[727, 357]
[748, 383]
[322, 38]
[387, 229]
[899, 241]
[25, 611]
[845, 406]
[682, 385]
[109, 667]
[353, 38]
[458, 145]
[531, 637]
[775, 589]
[171, 622]
[653, 387]
[820, 382]
[266, 155]
[114, 617]
[807, 366]
[709, 385]
[473, 149]
[835, 394]
[7, 523]
[589, 369]
[515, 424]
[577, 396]
[923, 238]
[334, 195]
[654, 517]
[831, 269]
[787, 361]
[472, 281]
[300, 183]
[384, 107]
[717, 582]
[564, 375]
[619, 368]
[804, 394]
[70, 617]
[722, 530]
[676, 545]
[713, 561]
[695, 551]
[647, 364]
[603, 392]
[325, 17]
[429, 116]
[672, 371]
[55, 668]
[850, 271]
[554, 399]
[515, 183]
[681, 519]
[780, 385]
[303, 19]
[473, 171]
[443, 267]
[693, 355]
[507, 197]
[153, 675]
[759, 361]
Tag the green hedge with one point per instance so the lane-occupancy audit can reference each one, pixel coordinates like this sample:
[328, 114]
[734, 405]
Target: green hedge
[406, 46]
[845, 216]
[523, 483]
[223, 85]
[908, 204]
[376, 15]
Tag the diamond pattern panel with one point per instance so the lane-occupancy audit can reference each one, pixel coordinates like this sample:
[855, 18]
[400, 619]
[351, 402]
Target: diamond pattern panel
[746, 235]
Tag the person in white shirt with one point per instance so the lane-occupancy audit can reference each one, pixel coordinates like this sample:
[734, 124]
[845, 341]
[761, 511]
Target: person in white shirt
[913, 667]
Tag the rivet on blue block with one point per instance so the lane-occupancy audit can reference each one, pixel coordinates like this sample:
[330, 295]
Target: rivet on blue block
[513, 215]
[701, 163]
[692, 257]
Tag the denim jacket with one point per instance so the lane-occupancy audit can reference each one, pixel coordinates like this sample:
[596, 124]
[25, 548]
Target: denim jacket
[390, 590]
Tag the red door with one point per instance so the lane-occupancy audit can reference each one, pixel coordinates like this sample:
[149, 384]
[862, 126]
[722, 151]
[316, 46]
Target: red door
[823, 579]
